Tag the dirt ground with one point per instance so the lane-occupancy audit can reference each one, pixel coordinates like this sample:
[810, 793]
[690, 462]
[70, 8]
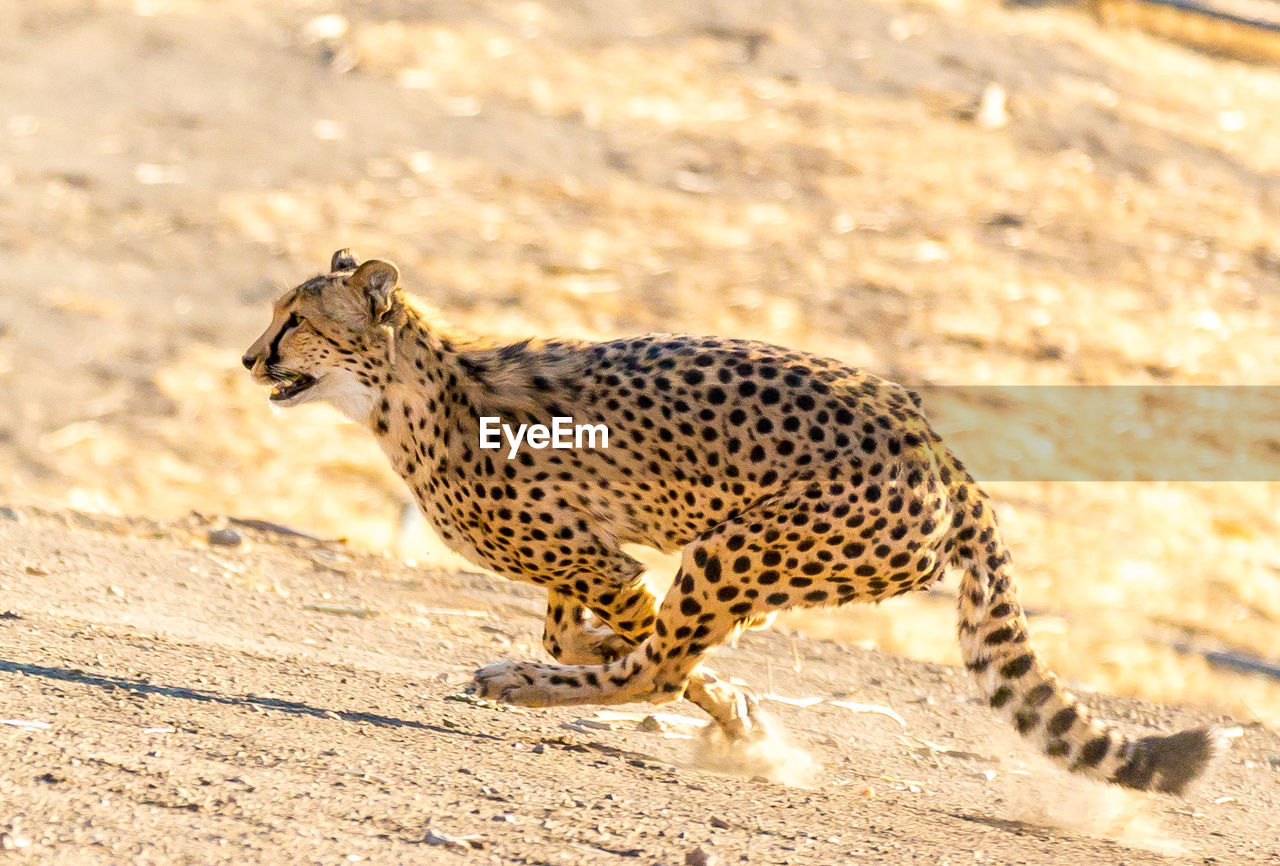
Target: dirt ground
[283, 701]
[948, 192]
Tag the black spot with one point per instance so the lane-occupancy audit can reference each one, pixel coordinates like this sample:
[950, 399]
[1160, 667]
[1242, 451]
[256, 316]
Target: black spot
[1017, 667]
[1000, 635]
[1040, 693]
[1094, 751]
[1026, 720]
[1062, 721]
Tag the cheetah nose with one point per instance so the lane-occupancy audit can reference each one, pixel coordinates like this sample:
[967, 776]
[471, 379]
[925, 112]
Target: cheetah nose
[249, 361]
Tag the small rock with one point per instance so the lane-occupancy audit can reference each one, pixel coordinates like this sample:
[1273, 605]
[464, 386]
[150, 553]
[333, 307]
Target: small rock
[538, 749]
[116, 591]
[322, 27]
[8, 513]
[226, 537]
[10, 614]
[719, 823]
[699, 857]
[993, 112]
[13, 842]
[650, 725]
[1006, 220]
[37, 570]
[455, 843]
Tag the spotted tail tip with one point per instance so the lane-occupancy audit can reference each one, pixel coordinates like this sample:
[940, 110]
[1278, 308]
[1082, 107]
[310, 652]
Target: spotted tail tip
[1169, 764]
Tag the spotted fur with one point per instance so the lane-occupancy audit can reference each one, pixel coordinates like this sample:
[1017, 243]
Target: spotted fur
[786, 480]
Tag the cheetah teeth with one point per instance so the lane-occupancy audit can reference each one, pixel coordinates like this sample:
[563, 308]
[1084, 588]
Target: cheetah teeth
[290, 384]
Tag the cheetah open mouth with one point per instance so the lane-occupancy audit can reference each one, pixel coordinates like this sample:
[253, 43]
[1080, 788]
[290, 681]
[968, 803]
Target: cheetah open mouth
[289, 384]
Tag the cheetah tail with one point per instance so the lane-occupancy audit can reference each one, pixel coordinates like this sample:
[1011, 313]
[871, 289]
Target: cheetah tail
[997, 650]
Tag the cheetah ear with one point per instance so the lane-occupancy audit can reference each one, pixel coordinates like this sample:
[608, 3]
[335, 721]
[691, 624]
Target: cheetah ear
[343, 260]
[375, 280]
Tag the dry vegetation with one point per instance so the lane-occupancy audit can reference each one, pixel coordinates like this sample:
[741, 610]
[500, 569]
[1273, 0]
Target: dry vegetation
[822, 174]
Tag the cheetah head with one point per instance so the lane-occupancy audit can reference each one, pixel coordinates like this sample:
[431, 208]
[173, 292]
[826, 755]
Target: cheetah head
[325, 334]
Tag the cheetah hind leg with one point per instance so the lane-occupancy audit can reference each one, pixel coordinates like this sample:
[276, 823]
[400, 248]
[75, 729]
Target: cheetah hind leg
[703, 609]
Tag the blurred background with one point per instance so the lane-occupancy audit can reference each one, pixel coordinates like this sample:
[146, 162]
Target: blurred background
[947, 192]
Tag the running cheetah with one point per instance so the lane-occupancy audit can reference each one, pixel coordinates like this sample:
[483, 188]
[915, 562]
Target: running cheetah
[786, 480]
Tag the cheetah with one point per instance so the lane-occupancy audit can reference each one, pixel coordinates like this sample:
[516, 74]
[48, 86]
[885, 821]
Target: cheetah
[784, 479]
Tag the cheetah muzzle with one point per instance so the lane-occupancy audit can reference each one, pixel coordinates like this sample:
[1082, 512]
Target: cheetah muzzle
[785, 480]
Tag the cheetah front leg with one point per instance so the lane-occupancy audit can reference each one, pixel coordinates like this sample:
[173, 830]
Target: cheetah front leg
[571, 641]
[663, 663]
[626, 608]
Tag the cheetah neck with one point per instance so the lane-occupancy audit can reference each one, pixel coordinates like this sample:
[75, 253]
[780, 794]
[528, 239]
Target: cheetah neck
[415, 394]
[439, 381]
[492, 377]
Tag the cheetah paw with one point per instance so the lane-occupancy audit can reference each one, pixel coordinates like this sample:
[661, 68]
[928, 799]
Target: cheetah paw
[519, 683]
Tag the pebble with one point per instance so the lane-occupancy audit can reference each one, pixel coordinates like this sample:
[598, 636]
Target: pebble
[13, 842]
[993, 108]
[227, 537]
[699, 857]
[455, 843]
[8, 513]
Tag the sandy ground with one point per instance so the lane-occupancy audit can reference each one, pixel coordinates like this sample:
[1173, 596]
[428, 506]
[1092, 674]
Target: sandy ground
[168, 701]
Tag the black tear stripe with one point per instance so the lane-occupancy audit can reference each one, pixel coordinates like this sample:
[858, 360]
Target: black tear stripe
[273, 351]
